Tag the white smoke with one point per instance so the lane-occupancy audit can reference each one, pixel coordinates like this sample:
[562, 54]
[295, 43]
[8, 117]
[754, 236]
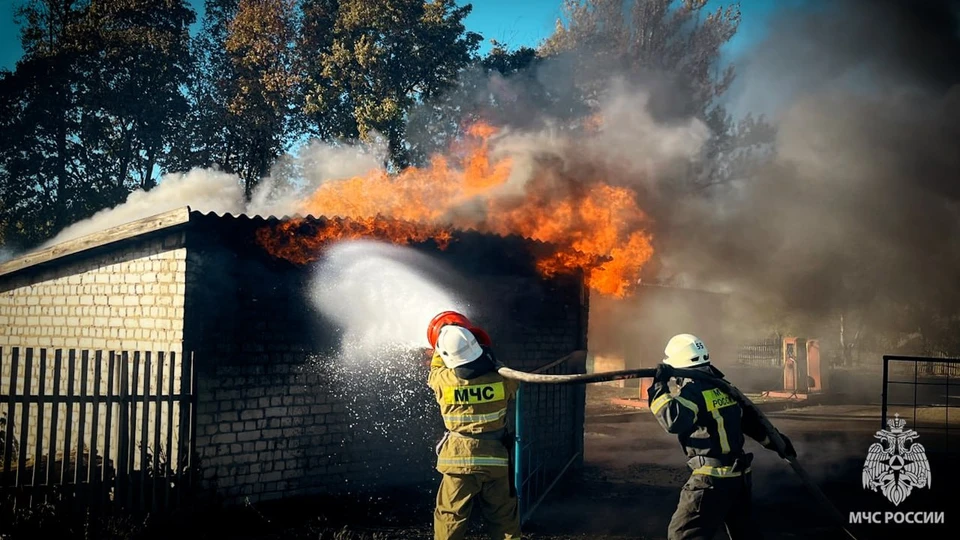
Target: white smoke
[203, 190]
[381, 296]
[291, 180]
[631, 147]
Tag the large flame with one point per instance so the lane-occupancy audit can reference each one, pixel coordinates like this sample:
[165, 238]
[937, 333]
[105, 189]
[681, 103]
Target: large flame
[585, 218]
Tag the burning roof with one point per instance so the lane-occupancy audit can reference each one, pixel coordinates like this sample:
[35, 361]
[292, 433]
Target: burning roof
[295, 240]
[488, 183]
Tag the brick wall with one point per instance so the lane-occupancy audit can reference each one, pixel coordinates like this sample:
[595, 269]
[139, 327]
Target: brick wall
[129, 298]
[125, 299]
[277, 417]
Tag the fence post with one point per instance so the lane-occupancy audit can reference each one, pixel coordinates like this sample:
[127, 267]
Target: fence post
[24, 419]
[105, 480]
[55, 415]
[883, 402]
[68, 432]
[38, 446]
[518, 450]
[8, 436]
[84, 366]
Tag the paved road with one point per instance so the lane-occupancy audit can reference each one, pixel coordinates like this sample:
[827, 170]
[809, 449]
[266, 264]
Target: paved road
[633, 471]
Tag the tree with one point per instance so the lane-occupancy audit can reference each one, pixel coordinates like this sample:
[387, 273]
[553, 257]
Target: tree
[672, 47]
[365, 65]
[42, 164]
[141, 48]
[500, 88]
[209, 83]
[655, 40]
[87, 109]
[242, 89]
[258, 45]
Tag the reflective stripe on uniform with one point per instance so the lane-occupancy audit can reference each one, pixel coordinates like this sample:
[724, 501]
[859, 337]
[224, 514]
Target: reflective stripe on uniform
[663, 400]
[492, 417]
[719, 472]
[721, 432]
[474, 461]
[717, 399]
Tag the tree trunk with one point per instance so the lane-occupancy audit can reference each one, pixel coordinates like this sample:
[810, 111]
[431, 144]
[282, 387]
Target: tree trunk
[60, 207]
[146, 180]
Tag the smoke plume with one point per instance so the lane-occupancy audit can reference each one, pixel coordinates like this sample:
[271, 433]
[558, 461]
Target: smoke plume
[854, 206]
[858, 204]
[207, 190]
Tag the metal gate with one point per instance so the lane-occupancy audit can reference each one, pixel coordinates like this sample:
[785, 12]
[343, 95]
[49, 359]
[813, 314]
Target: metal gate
[923, 391]
[96, 429]
[549, 434]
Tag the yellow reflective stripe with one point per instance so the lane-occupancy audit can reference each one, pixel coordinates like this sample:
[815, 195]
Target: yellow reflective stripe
[478, 393]
[719, 472]
[492, 417]
[663, 400]
[689, 404]
[721, 432]
[659, 403]
[486, 461]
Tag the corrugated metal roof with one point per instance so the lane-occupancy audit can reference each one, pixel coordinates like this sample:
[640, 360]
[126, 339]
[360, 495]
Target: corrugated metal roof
[166, 220]
[184, 216]
[323, 220]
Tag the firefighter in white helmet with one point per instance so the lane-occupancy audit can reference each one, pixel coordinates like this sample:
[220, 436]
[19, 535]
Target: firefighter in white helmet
[711, 426]
[473, 455]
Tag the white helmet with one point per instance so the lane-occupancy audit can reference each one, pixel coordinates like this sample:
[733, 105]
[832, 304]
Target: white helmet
[457, 346]
[686, 350]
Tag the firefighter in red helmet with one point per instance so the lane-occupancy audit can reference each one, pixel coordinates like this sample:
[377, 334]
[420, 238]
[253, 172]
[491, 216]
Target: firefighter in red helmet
[474, 454]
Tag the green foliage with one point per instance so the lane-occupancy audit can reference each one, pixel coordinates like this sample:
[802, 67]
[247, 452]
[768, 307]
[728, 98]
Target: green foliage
[679, 40]
[672, 47]
[500, 88]
[87, 114]
[366, 64]
[241, 89]
[112, 93]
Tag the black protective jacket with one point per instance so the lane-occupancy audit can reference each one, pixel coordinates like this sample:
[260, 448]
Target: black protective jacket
[708, 422]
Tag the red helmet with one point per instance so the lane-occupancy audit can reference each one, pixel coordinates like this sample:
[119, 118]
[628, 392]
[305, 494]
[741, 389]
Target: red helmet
[458, 319]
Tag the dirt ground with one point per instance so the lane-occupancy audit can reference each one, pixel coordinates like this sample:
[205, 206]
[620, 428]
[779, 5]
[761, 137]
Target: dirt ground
[633, 472]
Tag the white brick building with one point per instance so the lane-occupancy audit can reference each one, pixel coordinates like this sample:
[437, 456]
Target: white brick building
[265, 424]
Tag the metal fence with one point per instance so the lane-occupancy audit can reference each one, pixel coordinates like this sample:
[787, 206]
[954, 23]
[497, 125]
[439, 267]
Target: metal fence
[96, 429]
[923, 390]
[765, 353]
[549, 434]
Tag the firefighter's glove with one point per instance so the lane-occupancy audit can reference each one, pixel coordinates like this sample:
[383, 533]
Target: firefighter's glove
[664, 373]
[788, 449]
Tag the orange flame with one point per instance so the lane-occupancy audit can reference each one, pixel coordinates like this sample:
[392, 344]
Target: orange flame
[301, 241]
[586, 219]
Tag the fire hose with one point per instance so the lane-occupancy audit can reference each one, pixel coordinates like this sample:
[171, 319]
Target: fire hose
[586, 378]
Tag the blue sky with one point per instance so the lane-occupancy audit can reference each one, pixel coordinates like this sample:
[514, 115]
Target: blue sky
[516, 22]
